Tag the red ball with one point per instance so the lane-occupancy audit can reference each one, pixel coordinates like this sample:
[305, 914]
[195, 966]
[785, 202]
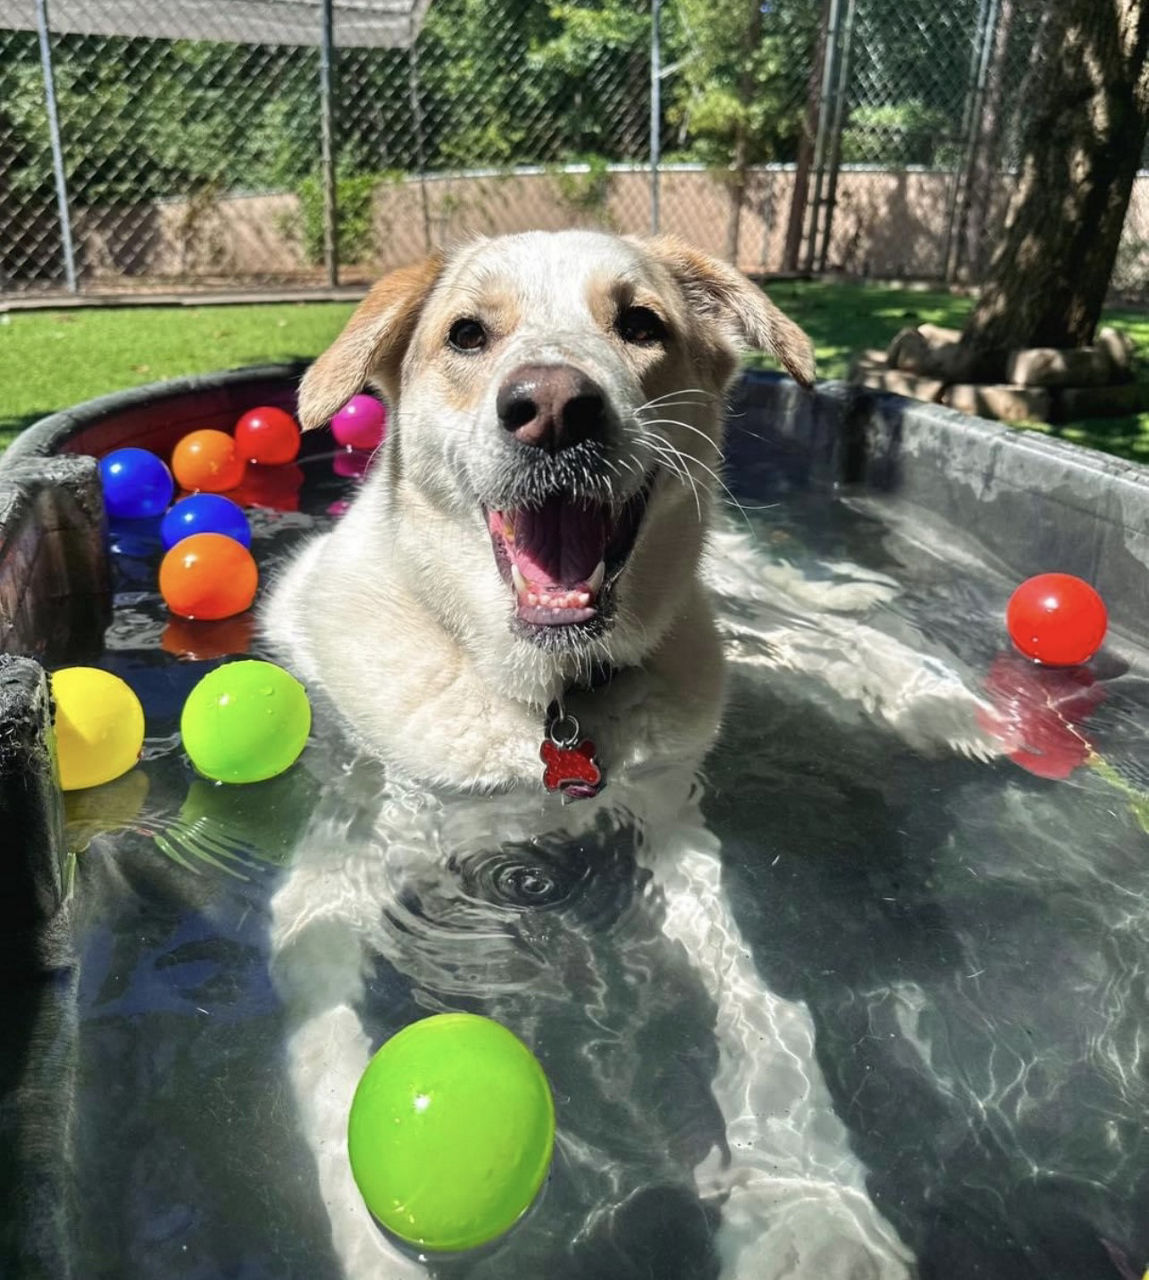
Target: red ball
[1056, 619]
[267, 435]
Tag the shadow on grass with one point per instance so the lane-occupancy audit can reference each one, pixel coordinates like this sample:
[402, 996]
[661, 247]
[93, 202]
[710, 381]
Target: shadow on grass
[10, 428]
[1123, 437]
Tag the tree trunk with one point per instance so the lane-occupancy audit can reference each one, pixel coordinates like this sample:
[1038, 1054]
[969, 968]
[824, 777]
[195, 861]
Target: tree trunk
[741, 135]
[1088, 117]
[800, 194]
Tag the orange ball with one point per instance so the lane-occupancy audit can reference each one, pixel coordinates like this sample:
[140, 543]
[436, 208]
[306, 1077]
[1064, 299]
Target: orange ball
[267, 435]
[208, 576]
[208, 461]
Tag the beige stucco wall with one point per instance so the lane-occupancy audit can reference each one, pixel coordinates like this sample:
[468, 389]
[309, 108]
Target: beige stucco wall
[887, 224]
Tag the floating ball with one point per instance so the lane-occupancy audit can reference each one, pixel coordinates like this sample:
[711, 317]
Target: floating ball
[137, 485]
[204, 513]
[1056, 619]
[208, 576]
[99, 727]
[209, 461]
[360, 424]
[245, 722]
[267, 435]
[451, 1132]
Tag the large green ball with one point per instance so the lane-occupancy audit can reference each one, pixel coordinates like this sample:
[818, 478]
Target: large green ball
[245, 721]
[451, 1132]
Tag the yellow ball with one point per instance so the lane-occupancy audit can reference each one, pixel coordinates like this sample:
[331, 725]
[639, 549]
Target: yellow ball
[99, 727]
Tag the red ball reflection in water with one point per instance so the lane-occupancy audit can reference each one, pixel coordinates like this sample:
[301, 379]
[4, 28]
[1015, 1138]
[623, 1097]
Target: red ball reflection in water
[274, 487]
[1039, 713]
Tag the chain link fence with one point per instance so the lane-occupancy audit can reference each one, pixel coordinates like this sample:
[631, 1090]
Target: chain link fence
[154, 146]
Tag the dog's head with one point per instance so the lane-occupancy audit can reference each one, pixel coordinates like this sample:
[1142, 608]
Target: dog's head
[557, 425]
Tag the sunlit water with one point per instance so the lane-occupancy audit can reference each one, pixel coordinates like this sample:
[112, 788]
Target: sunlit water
[869, 1000]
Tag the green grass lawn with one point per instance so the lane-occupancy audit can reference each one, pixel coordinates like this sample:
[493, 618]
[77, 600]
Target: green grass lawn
[51, 359]
[844, 319]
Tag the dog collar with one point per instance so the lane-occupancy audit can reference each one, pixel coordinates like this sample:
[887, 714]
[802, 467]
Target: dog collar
[570, 761]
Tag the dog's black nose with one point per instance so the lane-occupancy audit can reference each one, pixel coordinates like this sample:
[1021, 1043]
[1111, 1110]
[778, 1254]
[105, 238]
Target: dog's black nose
[551, 406]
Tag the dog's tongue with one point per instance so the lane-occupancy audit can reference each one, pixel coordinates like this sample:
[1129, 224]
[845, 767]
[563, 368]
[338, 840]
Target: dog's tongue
[559, 544]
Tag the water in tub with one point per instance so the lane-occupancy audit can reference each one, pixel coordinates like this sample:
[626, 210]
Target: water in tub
[865, 998]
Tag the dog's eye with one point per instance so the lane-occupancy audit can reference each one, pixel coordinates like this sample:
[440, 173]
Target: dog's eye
[467, 335]
[640, 326]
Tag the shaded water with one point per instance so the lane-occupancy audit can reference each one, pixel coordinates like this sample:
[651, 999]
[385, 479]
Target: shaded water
[869, 999]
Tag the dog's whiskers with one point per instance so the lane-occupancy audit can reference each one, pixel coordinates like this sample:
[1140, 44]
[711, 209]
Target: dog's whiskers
[680, 391]
[675, 422]
[670, 459]
[663, 446]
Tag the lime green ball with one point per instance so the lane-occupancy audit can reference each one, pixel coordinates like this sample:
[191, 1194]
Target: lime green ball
[451, 1132]
[245, 721]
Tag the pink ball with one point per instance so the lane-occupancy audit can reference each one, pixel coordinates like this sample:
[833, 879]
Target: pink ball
[360, 424]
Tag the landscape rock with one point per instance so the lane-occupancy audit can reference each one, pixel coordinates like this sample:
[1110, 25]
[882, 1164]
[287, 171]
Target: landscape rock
[1008, 403]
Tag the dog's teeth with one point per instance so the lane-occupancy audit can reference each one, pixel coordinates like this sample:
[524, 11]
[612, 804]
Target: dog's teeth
[545, 598]
[594, 582]
[532, 598]
[517, 578]
[582, 599]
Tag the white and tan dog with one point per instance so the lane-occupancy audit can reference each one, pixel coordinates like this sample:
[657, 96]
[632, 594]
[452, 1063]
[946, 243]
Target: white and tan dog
[540, 508]
[532, 536]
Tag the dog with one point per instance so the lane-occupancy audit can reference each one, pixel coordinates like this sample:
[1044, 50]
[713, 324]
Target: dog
[514, 605]
[532, 534]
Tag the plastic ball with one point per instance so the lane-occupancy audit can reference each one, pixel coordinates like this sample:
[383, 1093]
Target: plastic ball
[1056, 619]
[451, 1132]
[208, 576]
[204, 513]
[360, 424]
[208, 461]
[137, 485]
[245, 722]
[99, 727]
[267, 435]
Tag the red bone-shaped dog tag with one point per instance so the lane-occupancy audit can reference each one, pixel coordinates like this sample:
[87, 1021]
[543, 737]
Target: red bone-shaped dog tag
[570, 764]
[571, 770]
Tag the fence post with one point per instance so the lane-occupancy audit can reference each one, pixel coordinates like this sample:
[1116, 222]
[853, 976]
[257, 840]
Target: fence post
[655, 113]
[327, 142]
[801, 189]
[820, 140]
[966, 138]
[962, 193]
[836, 131]
[57, 145]
[420, 146]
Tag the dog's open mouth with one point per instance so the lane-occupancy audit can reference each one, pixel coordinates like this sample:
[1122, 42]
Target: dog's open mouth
[563, 557]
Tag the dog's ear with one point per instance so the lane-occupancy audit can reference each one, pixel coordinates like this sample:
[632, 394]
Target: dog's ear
[741, 311]
[371, 346]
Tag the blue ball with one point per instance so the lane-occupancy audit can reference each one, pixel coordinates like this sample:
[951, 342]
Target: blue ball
[205, 513]
[136, 483]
